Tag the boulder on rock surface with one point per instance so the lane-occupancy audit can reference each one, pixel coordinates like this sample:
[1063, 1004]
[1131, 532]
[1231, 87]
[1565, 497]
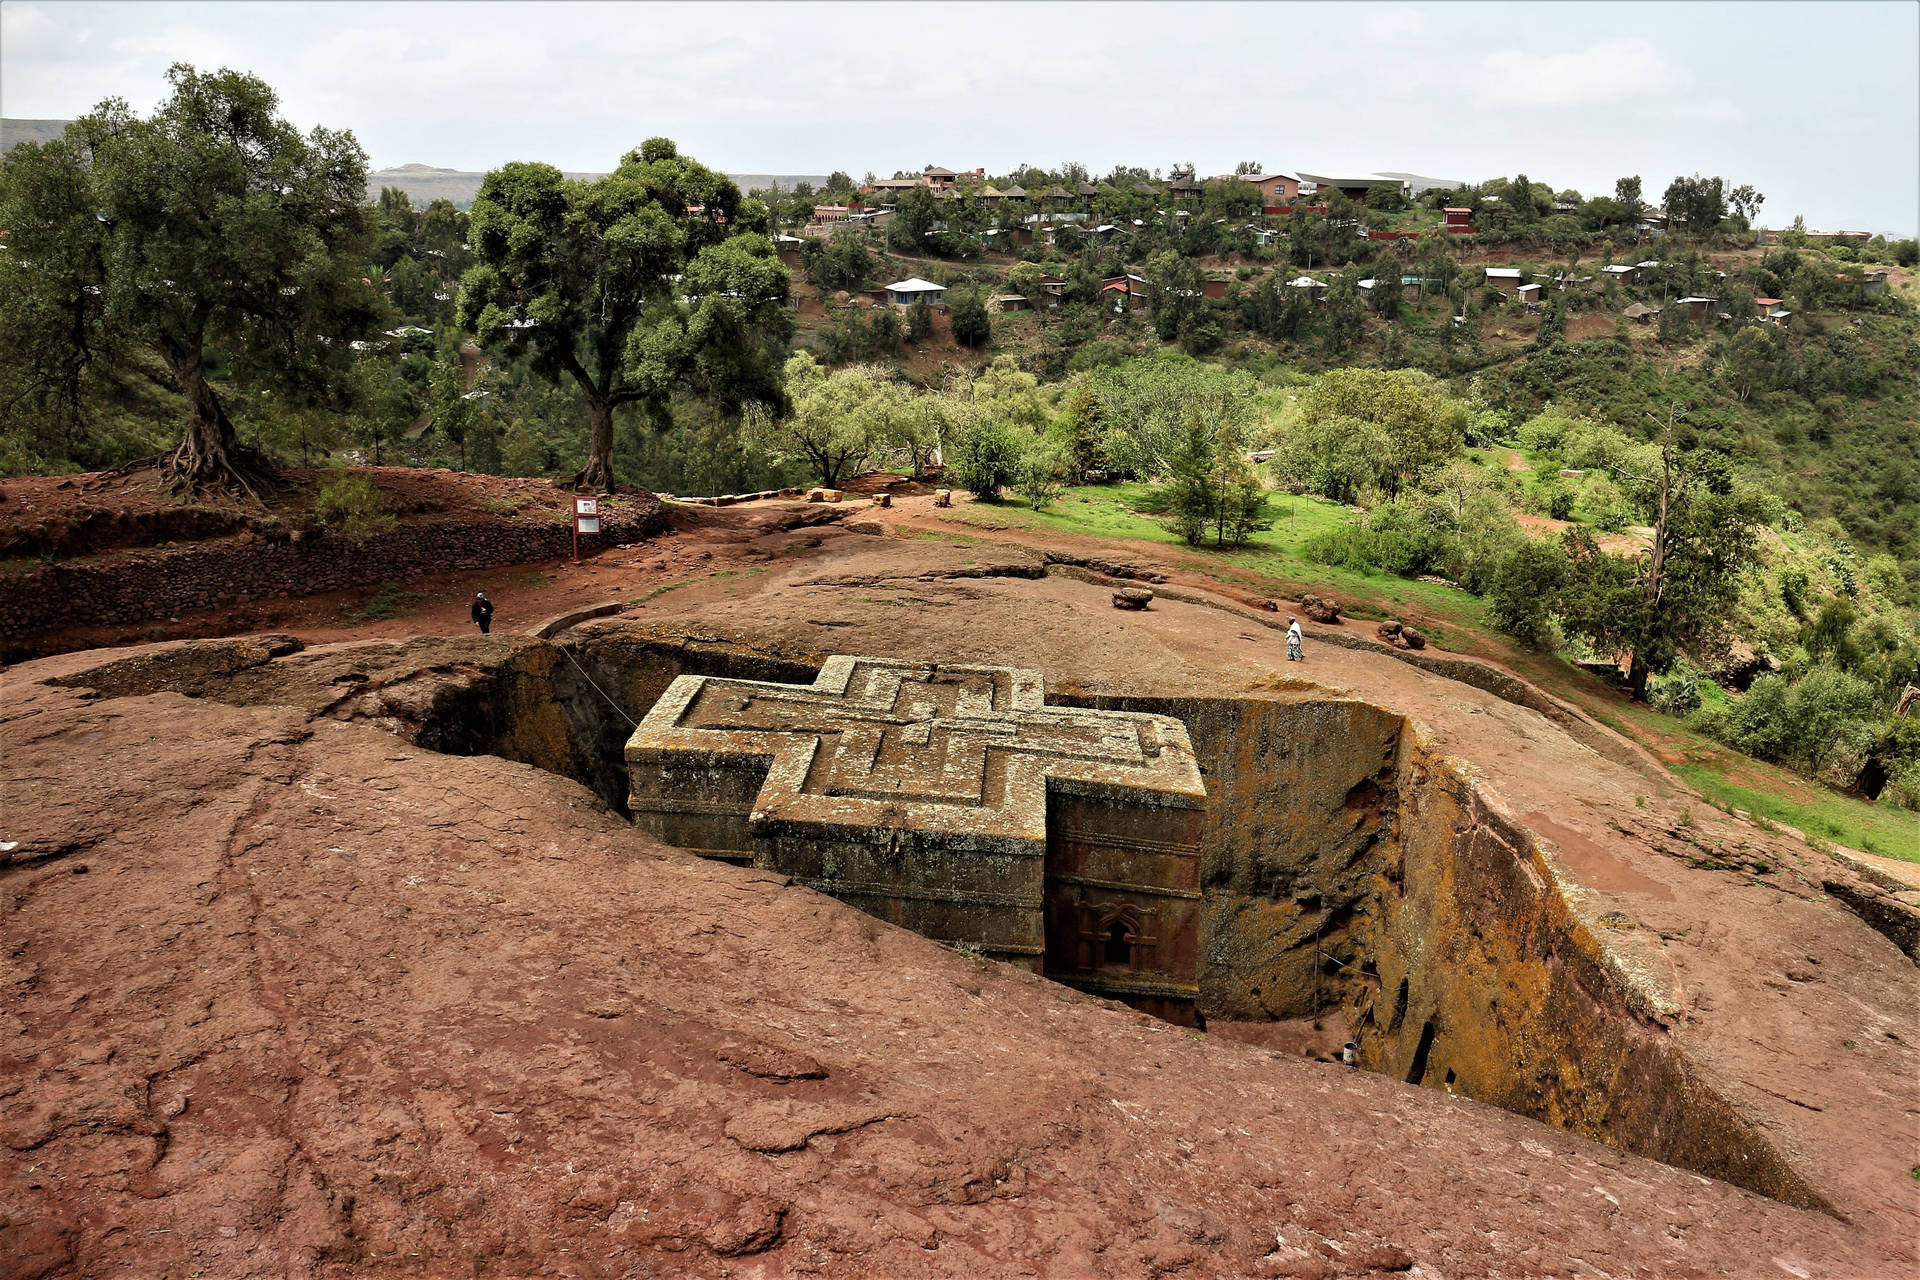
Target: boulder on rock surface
[943, 497]
[1132, 598]
[1320, 610]
[823, 495]
[1399, 635]
[882, 499]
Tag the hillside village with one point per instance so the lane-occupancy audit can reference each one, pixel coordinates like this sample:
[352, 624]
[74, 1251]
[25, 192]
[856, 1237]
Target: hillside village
[1238, 216]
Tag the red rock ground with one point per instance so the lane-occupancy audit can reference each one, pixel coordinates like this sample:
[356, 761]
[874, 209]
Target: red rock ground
[296, 998]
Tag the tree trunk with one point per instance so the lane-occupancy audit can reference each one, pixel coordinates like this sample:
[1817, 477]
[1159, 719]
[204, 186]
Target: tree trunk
[210, 457]
[598, 473]
[1637, 676]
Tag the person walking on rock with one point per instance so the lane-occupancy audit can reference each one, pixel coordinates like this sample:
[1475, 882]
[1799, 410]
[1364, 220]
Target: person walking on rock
[1294, 652]
[482, 612]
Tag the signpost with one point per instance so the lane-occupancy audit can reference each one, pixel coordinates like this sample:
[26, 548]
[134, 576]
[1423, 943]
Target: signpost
[586, 519]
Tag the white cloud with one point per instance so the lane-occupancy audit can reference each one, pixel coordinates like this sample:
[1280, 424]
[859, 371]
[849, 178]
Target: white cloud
[25, 27]
[1393, 26]
[797, 88]
[206, 50]
[1604, 72]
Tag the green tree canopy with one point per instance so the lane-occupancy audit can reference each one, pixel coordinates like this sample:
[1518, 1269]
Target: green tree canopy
[213, 225]
[1012, 396]
[1422, 425]
[654, 279]
[1211, 487]
[1335, 457]
[1145, 406]
[1696, 204]
[1174, 297]
[1682, 593]
[838, 421]
[914, 213]
[972, 326]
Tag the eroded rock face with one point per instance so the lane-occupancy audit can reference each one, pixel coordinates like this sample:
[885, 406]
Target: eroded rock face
[1349, 868]
[1298, 832]
[1484, 978]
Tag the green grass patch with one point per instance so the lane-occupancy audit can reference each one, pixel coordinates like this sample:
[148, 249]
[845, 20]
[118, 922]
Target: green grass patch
[660, 590]
[390, 602]
[738, 573]
[1881, 829]
[1273, 562]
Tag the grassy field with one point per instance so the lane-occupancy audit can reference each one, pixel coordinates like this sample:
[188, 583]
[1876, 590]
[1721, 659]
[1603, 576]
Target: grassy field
[1821, 814]
[1275, 563]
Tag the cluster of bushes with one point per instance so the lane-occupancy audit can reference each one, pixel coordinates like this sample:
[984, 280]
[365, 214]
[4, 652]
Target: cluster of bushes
[1826, 723]
[1467, 544]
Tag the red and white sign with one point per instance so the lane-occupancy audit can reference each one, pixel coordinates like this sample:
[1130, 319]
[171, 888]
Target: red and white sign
[586, 519]
[586, 515]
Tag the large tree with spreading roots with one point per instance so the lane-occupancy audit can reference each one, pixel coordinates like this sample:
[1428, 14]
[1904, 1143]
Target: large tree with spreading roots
[212, 228]
[654, 280]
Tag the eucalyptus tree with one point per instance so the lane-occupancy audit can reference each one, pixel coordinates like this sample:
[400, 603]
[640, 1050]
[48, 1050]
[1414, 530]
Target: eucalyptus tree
[654, 280]
[211, 229]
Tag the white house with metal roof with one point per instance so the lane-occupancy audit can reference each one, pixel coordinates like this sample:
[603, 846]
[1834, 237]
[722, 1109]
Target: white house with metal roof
[913, 289]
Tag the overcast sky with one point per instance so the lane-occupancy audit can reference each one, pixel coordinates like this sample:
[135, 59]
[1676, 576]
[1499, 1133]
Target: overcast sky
[1817, 105]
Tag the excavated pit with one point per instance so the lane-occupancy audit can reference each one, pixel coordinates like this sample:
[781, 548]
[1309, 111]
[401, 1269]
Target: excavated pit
[1350, 874]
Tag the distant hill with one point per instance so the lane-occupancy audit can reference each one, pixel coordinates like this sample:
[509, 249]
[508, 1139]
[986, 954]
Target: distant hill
[422, 182]
[15, 132]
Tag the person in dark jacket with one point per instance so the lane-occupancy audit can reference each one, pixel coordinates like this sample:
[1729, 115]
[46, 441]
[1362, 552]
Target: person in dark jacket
[482, 611]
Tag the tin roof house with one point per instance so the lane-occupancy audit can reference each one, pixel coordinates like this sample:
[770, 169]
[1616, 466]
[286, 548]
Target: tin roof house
[905, 293]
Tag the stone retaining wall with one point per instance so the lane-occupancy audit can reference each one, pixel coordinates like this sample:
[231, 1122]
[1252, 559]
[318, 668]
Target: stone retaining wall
[142, 586]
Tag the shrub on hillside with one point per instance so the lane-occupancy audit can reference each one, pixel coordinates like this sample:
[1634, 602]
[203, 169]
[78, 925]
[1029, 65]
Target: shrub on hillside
[1551, 497]
[351, 507]
[1545, 432]
[1524, 589]
[972, 327]
[1042, 474]
[985, 459]
[919, 321]
[1678, 691]
[1605, 505]
[1395, 540]
[1825, 720]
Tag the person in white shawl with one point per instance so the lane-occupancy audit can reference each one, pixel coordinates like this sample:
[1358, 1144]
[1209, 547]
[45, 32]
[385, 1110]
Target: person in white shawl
[1294, 652]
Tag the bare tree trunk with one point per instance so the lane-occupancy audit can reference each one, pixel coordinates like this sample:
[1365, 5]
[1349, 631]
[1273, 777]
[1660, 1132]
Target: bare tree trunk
[210, 457]
[598, 473]
[1637, 675]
